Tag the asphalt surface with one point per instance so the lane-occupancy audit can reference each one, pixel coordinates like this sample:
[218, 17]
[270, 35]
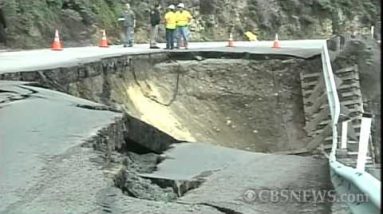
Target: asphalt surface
[230, 174]
[46, 59]
[37, 125]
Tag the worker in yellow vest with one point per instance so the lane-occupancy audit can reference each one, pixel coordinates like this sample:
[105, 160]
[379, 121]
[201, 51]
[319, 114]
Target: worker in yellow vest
[170, 26]
[251, 36]
[183, 20]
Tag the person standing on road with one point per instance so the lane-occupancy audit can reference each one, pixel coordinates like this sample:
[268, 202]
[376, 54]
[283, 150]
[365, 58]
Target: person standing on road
[129, 19]
[170, 25]
[183, 20]
[3, 26]
[155, 19]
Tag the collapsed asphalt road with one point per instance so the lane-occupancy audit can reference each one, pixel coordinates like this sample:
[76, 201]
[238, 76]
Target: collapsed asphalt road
[77, 156]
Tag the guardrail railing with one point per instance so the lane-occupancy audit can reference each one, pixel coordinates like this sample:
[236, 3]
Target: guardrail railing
[332, 96]
[361, 179]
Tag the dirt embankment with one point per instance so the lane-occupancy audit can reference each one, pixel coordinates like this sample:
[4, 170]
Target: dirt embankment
[252, 105]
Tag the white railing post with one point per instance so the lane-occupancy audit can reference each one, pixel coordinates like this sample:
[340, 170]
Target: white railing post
[343, 141]
[363, 143]
[372, 32]
[334, 143]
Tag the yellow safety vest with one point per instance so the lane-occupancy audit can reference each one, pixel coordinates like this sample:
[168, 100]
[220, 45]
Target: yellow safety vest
[183, 18]
[251, 36]
[170, 20]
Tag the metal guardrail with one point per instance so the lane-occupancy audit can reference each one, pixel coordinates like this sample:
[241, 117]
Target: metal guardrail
[361, 179]
[332, 96]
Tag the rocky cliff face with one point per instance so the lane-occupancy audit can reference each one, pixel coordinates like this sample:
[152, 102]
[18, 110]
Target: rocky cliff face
[32, 23]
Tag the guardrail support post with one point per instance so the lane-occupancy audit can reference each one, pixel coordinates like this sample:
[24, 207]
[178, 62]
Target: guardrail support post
[344, 139]
[363, 142]
[372, 31]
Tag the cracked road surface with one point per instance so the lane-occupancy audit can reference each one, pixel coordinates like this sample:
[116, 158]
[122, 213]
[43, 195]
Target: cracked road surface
[235, 171]
[43, 168]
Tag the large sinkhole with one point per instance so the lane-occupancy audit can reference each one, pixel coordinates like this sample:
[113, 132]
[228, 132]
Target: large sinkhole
[242, 101]
[248, 104]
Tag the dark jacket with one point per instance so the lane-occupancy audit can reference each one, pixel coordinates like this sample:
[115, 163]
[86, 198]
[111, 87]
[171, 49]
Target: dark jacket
[2, 19]
[155, 17]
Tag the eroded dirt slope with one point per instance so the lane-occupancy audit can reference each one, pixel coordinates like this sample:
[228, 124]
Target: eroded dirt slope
[246, 104]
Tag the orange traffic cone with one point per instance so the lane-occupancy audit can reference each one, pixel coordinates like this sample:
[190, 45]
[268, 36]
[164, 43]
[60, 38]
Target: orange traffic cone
[276, 42]
[231, 41]
[104, 41]
[56, 45]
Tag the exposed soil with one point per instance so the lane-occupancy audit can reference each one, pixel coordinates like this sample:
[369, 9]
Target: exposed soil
[129, 181]
[251, 105]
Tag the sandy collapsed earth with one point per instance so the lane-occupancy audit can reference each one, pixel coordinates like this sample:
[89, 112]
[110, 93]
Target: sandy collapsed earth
[250, 105]
[156, 114]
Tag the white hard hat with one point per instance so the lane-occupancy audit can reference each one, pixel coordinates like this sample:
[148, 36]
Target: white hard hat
[172, 7]
[181, 5]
